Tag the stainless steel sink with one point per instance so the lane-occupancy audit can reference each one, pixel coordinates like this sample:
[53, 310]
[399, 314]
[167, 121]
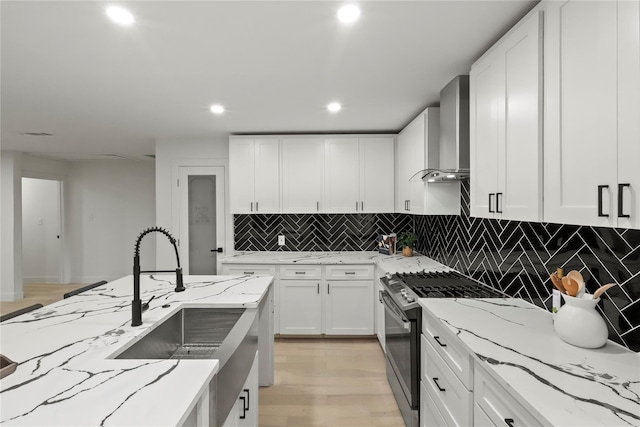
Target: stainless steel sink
[227, 334]
[191, 333]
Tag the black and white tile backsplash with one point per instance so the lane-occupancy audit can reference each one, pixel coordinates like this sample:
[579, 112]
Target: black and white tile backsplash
[516, 257]
[317, 232]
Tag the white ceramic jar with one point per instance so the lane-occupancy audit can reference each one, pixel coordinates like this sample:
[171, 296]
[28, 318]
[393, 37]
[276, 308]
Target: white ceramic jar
[578, 323]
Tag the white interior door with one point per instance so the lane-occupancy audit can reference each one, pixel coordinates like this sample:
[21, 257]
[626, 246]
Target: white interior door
[41, 231]
[201, 217]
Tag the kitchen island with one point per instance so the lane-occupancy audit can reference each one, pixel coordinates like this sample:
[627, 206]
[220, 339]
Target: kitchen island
[67, 376]
[516, 356]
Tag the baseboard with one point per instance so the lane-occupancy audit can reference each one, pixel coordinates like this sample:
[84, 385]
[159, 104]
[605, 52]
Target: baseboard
[11, 296]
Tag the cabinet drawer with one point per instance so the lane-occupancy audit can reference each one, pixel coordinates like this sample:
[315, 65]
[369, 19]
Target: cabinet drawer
[242, 269]
[311, 272]
[451, 397]
[480, 418]
[498, 404]
[349, 272]
[429, 414]
[448, 346]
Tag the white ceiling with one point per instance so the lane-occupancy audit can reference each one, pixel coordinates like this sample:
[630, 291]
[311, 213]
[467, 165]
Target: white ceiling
[100, 88]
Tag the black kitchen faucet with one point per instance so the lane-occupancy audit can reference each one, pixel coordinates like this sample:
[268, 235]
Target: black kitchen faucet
[136, 305]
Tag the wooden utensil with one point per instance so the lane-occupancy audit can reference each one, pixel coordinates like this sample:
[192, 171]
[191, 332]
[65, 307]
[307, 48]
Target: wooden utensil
[575, 275]
[602, 289]
[570, 285]
[557, 282]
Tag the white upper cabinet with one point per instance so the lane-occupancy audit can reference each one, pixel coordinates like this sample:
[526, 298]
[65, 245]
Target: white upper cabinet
[376, 174]
[341, 175]
[506, 126]
[358, 175]
[418, 148]
[254, 174]
[592, 115]
[302, 174]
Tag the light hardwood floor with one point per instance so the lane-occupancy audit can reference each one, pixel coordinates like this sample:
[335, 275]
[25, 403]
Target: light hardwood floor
[43, 293]
[329, 382]
[318, 382]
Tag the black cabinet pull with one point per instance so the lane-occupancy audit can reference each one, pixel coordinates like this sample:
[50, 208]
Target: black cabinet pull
[251, 206]
[318, 287]
[350, 272]
[328, 288]
[246, 390]
[301, 272]
[600, 188]
[490, 196]
[435, 380]
[509, 421]
[244, 410]
[249, 272]
[498, 202]
[620, 204]
[437, 338]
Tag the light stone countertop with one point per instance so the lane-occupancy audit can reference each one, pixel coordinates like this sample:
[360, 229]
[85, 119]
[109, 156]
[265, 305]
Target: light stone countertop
[386, 263]
[66, 374]
[563, 384]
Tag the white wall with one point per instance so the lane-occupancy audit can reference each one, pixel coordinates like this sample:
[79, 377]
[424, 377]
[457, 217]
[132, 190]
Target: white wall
[11, 226]
[109, 203]
[170, 154]
[41, 221]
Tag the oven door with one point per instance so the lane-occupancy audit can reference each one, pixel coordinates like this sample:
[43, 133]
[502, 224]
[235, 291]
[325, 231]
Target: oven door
[400, 343]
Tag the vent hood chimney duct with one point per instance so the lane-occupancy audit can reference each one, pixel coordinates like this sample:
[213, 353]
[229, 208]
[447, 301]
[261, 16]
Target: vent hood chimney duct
[454, 134]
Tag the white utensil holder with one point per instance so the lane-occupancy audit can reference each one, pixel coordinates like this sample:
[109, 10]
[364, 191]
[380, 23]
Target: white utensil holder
[578, 323]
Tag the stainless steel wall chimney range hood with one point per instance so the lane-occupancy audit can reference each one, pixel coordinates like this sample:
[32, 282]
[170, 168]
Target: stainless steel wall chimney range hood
[454, 135]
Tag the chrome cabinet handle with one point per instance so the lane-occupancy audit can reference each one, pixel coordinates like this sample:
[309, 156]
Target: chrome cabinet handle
[600, 188]
[620, 200]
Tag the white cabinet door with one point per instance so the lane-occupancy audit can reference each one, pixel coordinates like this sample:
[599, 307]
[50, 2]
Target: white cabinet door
[302, 174]
[300, 307]
[376, 175]
[341, 175]
[411, 159]
[506, 135]
[581, 113]
[628, 114]
[267, 175]
[241, 175]
[349, 307]
[520, 155]
[254, 174]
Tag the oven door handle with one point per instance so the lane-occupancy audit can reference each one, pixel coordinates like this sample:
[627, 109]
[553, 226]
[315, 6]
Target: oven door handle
[394, 311]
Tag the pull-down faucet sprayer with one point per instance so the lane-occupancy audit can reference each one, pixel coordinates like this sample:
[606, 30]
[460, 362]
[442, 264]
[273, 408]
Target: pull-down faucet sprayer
[136, 304]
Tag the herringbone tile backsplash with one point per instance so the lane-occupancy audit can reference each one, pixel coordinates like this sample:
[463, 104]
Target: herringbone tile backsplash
[516, 257]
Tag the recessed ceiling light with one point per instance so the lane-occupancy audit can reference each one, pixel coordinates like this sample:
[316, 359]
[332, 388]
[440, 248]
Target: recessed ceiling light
[334, 107]
[349, 13]
[120, 15]
[217, 109]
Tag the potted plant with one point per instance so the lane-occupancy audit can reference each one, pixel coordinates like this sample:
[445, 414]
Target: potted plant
[406, 240]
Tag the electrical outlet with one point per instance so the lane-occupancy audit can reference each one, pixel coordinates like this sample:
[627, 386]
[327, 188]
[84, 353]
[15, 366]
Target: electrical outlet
[281, 240]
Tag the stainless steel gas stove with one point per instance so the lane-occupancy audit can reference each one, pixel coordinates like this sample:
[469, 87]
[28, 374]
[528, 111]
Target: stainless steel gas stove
[403, 320]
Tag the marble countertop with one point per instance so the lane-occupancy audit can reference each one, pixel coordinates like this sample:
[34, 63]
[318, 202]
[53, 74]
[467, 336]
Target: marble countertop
[566, 385]
[387, 263]
[66, 376]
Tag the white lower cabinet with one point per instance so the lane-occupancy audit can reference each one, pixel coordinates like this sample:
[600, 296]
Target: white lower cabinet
[498, 406]
[450, 396]
[430, 416]
[312, 304]
[245, 411]
[379, 311]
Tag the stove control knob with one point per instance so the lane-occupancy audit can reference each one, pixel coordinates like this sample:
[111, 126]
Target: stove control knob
[410, 298]
[403, 292]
